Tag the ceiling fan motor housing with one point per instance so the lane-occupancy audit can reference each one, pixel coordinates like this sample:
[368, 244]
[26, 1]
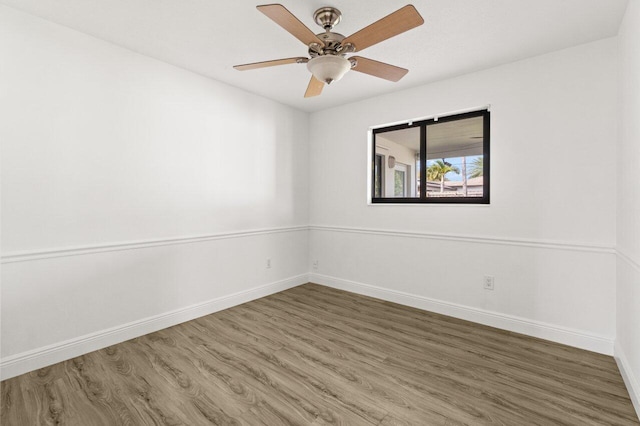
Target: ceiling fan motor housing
[332, 45]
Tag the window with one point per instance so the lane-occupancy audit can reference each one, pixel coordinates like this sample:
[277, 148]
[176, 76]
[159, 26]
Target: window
[443, 160]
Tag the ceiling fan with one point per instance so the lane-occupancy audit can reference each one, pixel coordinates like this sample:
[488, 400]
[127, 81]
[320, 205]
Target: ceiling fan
[328, 51]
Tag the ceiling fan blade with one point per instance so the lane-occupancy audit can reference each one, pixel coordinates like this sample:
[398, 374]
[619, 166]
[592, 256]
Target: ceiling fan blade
[315, 87]
[287, 20]
[264, 64]
[391, 25]
[379, 69]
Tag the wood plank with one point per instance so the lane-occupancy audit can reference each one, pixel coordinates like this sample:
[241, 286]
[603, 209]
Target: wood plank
[312, 355]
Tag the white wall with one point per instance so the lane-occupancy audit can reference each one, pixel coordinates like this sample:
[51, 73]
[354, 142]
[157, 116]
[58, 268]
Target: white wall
[628, 204]
[548, 235]
[135, 194]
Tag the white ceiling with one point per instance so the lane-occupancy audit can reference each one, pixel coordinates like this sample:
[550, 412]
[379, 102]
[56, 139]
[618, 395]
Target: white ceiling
[210, 36]
[447, 139]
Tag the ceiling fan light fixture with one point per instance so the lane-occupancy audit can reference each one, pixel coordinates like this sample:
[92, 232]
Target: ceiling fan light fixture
[328, 68]
[327, 50]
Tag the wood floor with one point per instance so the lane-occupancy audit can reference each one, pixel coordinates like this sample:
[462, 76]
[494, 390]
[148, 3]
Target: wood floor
[314, 356]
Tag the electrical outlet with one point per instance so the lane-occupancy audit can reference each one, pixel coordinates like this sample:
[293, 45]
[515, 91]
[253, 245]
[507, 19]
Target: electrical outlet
[488, 282]
[268, 263]
[315, 265]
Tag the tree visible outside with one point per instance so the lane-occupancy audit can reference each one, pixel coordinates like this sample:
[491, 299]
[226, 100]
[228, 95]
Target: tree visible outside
[438, 170]
[477, 168]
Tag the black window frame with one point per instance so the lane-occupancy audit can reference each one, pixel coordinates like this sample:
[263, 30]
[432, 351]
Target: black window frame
[423, 124]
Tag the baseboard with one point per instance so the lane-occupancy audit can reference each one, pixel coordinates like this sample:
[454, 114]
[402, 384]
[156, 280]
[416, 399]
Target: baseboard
[629, 379]
[28, 361]
[526, 326]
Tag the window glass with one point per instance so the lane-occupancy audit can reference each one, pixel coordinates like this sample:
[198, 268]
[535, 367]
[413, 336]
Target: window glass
[455, 158]
[401, 149]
